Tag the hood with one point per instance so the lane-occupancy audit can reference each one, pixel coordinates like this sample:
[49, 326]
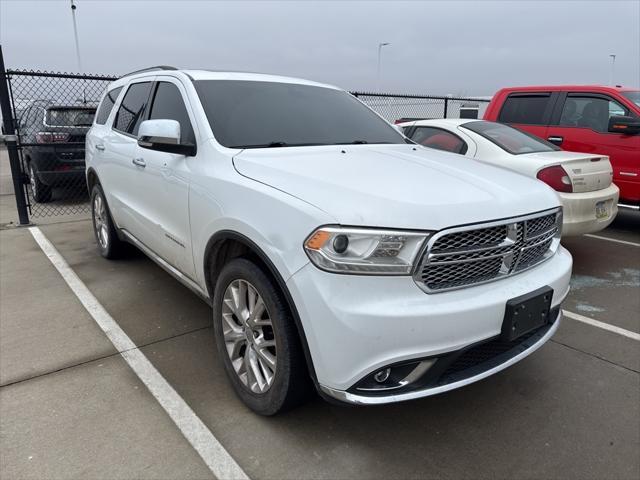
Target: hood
[396, 186]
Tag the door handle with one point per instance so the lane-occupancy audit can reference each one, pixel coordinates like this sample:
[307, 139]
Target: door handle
[555, 140]
[139, 162]
[100, 147]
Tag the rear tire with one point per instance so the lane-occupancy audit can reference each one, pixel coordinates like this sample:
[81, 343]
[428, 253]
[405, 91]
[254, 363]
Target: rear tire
[109, 245]
[40, 192]
[257, 340]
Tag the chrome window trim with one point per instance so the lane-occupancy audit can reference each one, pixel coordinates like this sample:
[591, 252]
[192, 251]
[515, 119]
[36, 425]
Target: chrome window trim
[425, 256]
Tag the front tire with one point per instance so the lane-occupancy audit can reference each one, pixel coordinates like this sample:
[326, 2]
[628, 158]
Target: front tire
[109, 245]
[257, 339]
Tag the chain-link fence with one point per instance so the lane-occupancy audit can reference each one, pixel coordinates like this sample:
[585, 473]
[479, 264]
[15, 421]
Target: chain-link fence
[52, 112]
[398, 108]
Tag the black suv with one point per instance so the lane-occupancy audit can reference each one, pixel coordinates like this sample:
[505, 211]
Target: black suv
[52, 136]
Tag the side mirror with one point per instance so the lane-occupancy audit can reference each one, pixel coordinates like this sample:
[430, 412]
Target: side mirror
[163, 136]
[625, 125]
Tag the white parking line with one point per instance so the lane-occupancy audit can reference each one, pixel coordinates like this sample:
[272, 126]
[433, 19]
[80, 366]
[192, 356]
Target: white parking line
[624, 242]
[221, 464]
[604, 326]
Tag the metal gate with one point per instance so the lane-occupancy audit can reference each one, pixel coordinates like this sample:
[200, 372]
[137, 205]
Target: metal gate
[45, 120]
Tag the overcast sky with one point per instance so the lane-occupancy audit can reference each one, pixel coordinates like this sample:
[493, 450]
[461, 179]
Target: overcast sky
[437, 47]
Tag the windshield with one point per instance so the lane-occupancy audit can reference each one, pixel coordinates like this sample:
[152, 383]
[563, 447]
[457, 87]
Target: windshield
[510, 139]
[70, 117]
[633, 96]
[251, 114]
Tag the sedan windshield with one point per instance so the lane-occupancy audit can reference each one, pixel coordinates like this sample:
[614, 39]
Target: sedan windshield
[252, 114]
[634, 96]
[510, 139]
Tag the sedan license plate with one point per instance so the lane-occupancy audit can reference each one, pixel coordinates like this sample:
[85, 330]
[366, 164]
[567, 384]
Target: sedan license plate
[601, 210]
[526, 313]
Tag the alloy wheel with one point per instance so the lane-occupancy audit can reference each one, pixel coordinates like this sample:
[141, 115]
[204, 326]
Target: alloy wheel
[248, 336]
[100, 220]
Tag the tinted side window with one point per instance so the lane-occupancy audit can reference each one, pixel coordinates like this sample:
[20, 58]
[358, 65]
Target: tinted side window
[590, 112]
[131, 111]
[525, 109]
[439, 139]
[107, 104]
[168, 104]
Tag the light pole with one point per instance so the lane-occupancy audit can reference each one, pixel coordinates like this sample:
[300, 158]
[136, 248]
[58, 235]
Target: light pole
[380, 45]
[75, 34]
[613, 64]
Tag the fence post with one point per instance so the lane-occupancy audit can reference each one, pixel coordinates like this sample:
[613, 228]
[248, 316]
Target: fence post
[446, 107]
[11, 140]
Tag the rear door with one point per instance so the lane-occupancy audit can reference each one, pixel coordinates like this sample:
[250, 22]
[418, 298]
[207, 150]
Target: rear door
[122, 179]
[529, 111]
[581, 125]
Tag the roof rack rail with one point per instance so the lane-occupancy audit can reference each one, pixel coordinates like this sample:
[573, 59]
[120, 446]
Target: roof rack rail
[150, 69]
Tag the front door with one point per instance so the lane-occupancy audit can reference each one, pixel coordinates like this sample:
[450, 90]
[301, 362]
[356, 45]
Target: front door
[166, 178]
[583, 127]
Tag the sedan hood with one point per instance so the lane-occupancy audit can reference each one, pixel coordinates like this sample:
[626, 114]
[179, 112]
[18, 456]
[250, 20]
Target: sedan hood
[396, 186]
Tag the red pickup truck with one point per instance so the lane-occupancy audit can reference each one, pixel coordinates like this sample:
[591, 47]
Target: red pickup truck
[589, 119]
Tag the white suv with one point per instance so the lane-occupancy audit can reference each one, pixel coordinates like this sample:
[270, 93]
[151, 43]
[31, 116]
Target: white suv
[334, 252]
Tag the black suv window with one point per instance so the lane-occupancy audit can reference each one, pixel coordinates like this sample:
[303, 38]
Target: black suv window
[439, 139]
[131, 111]
[525, 109]
[168, 104]
[107, 104]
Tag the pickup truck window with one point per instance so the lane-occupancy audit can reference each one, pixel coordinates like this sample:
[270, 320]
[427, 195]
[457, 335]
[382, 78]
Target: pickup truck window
[510, 139]
[525, 109]
[633, 96]
[590, 112]
[253, 114]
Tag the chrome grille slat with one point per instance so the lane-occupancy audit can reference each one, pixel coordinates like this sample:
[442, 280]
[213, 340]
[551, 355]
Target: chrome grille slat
[482, 253]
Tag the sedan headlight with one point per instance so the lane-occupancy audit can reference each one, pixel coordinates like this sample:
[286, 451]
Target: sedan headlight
[364, 251]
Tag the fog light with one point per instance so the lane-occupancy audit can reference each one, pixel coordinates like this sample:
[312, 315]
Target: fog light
[382, 376]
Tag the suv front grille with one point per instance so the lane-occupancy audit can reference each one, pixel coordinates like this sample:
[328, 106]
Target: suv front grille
[478, 254]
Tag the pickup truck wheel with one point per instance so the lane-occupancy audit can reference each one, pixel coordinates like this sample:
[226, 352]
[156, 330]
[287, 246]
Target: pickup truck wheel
[41, 193]
[109, 245]
[257, 339]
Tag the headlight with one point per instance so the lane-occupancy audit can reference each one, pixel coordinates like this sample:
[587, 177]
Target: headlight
[364, 251]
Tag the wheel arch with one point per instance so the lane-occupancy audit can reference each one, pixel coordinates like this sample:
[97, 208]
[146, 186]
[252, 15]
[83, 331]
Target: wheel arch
[92, 179]
[228, 244]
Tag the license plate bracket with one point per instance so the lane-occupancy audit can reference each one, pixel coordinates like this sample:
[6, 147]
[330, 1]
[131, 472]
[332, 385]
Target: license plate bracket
[526, 313]
[602, 210]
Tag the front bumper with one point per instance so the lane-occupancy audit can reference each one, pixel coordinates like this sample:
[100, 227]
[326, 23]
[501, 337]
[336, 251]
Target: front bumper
[579, 210]
[356, 325]
[475, 373]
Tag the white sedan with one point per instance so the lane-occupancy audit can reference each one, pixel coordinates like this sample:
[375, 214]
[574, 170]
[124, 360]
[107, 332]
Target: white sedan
[583, 181]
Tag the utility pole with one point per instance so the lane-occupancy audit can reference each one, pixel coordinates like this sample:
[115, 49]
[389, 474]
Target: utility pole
[75, 34]
[613, 66]
[380, 45]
